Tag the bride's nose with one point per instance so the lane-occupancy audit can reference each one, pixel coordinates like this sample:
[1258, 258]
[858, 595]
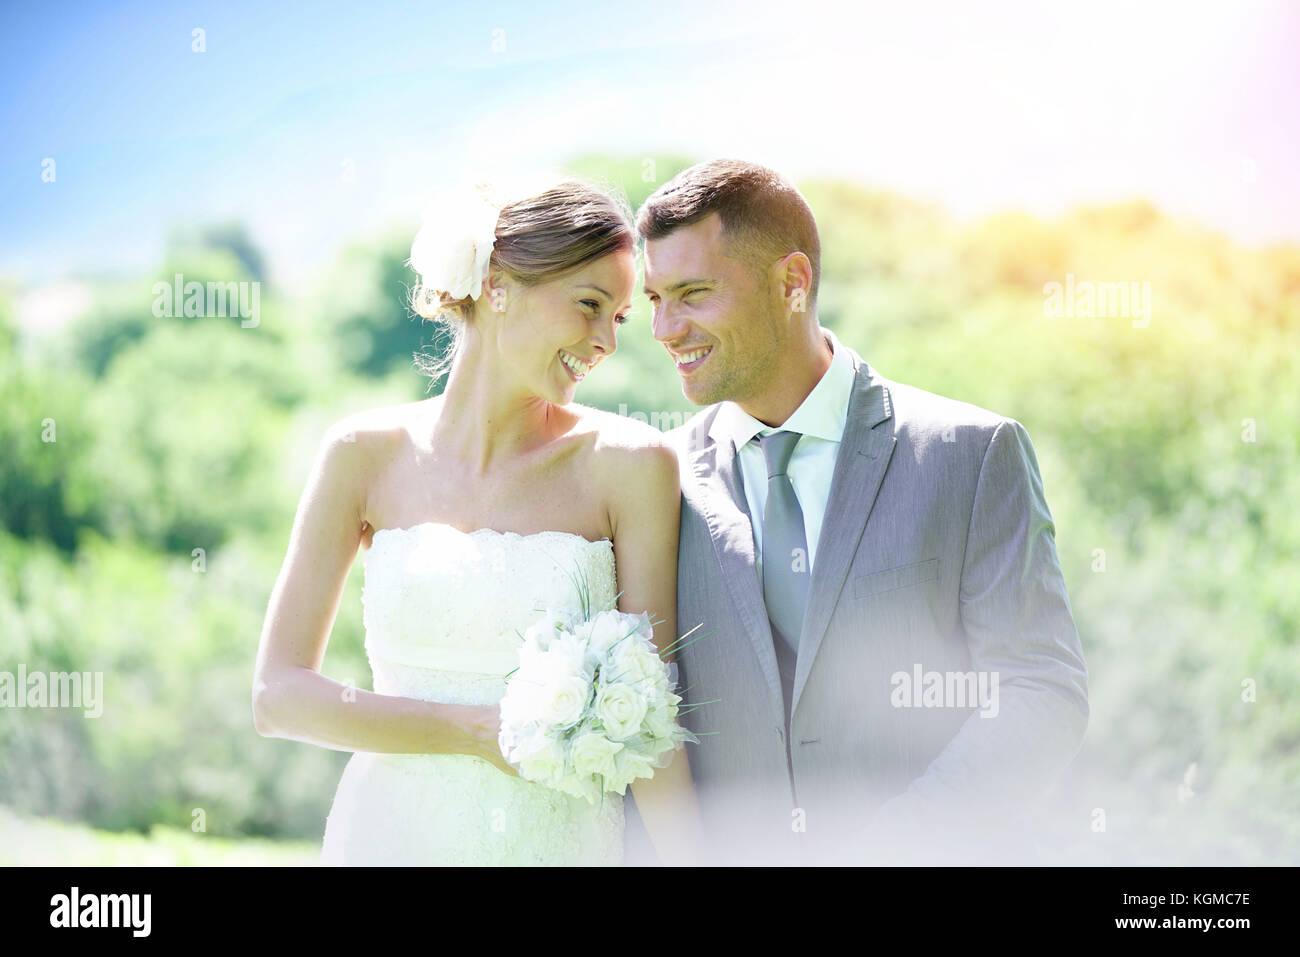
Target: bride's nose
[604, 341]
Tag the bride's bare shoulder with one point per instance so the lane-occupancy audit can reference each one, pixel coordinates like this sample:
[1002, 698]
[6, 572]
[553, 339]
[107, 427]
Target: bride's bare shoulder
[627, 452]
[370, 437]
[612, 431]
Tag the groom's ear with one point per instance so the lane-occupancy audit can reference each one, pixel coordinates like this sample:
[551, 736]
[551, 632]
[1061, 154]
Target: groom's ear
[793, 274]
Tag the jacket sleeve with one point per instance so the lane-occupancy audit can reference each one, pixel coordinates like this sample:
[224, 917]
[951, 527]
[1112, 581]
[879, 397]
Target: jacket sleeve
[1016, 618]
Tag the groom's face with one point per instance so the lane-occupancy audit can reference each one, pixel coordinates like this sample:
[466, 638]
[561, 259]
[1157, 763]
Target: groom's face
[713, 312]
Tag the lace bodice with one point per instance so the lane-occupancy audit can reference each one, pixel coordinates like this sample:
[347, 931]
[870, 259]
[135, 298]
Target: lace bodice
[444, 610]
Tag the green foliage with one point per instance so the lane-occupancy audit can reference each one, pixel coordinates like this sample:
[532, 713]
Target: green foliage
[1168, 454]
[120, 318]
[45, 491]
[365, 308]
[229, 238]
[174, 639]
[8, 329]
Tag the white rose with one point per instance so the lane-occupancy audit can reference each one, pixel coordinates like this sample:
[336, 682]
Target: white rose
[567, 655]
[660, 722]
[620, 708]
[452, 249]
[519, 707]
[593, 754]
[560, 658]
[637, 664]
[545, 631]
[539, 758]
[530, 669]
[607, 628]
[561, 703]
[629, 765]
[582, 787]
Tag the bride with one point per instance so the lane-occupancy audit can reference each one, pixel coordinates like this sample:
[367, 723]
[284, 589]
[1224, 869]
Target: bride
[477, 509]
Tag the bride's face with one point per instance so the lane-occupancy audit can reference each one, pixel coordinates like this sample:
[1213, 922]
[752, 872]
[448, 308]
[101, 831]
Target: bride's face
[552, 335]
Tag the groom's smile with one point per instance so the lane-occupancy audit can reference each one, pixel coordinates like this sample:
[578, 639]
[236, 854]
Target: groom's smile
[691, 359]
[710, 313]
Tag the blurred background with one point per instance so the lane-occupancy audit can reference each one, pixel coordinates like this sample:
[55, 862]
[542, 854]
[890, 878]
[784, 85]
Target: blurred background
[961, 160]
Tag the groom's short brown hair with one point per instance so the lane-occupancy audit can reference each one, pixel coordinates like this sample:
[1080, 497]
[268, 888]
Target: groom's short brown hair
[763, 216]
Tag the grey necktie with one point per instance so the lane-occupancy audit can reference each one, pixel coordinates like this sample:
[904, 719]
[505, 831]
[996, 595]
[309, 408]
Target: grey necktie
[785, 546]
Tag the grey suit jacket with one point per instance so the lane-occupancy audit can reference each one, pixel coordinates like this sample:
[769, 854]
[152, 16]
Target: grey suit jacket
[936, 562]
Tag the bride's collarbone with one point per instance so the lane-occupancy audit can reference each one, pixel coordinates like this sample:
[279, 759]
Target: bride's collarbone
[556, 491]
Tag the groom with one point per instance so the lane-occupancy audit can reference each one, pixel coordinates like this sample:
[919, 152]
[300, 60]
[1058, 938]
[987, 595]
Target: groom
[887, 636]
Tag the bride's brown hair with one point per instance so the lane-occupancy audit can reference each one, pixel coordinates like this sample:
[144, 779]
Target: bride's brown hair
[538, 238]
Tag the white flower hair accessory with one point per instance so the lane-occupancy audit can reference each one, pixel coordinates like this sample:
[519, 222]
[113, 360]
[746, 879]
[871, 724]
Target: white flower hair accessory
[454, 245]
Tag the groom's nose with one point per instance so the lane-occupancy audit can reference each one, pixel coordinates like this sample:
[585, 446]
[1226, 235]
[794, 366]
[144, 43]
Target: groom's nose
[668, 325]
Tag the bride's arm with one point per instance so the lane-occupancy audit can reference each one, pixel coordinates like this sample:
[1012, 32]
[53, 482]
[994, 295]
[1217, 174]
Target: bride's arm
[644, 519]
[291, 698]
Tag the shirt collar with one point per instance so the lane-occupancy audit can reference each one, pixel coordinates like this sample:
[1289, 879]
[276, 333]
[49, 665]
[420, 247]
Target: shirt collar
[822, 414]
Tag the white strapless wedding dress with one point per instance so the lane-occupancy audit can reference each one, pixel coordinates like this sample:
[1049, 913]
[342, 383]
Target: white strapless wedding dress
[444, 611]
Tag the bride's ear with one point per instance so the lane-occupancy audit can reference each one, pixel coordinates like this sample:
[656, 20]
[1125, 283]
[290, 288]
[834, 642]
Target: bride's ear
[495, 289]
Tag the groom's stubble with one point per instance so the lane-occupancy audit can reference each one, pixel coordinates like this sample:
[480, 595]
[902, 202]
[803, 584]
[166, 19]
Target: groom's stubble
[750, 363]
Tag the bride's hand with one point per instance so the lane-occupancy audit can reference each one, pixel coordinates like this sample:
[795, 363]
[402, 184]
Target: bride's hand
[484, 724]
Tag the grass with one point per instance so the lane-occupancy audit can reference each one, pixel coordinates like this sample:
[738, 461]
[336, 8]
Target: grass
[37, 841]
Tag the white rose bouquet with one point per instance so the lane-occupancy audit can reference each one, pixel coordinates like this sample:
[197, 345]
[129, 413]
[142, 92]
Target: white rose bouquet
[591, 706]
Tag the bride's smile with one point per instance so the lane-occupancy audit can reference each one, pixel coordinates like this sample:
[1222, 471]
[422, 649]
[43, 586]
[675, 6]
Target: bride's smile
[569, 323]
[577, 366]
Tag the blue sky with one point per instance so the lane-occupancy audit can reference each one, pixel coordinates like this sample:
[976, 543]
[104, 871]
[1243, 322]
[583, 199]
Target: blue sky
[321, 124]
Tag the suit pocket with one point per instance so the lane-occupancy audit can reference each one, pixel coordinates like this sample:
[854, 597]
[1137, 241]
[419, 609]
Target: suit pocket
[892, 578]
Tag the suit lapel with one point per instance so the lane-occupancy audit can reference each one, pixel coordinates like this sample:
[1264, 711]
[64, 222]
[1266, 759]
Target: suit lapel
[859, 469]
[722, 504]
